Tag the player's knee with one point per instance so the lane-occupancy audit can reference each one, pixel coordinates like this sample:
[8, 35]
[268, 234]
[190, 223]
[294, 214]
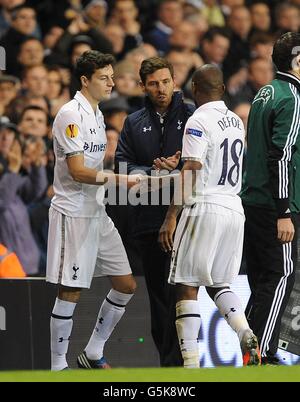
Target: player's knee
[69, 294]
[128, 287]
[131, 288]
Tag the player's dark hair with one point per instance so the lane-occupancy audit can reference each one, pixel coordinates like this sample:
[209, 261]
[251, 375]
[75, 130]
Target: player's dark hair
[91, 61]
[285, 49]
[149, 66]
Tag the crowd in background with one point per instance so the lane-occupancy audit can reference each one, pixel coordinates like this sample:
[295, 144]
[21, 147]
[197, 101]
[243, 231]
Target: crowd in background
[43, 39]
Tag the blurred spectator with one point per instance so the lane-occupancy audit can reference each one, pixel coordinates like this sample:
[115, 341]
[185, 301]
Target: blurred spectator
[80, 27]
[15, 192]
[116, 35]
[19, 103]
[125, 14]
[51, 38]
[34, 81]
[213, 13]
[56, 94]
[182, 67]
[192, 7]
[228, 5]
[23, 24]
[5, 18]
[33, 122]
[261, 17]
[184, 37]
[260, 73]
[79, 45]
[200, 24]
[138, 55]
[170, 15]
[125, 78]
[95, 14]
[115, 111]
[261, 46]
[149, 50]
[127, 84]
[287, 17]
[215, 46]
[9, 86]
[238, 56]
[31, 53]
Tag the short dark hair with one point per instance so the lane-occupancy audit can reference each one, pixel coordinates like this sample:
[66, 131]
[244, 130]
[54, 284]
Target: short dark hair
[36, 108]
[90, 61]
[210, 35]
[149, 66]
[14, 11]
[284, 50]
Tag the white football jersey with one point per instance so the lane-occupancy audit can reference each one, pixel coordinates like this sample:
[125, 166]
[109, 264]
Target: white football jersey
[78, 129]
[215, 137]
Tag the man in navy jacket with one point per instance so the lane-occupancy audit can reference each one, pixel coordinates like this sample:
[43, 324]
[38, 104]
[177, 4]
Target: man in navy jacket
[151, 139]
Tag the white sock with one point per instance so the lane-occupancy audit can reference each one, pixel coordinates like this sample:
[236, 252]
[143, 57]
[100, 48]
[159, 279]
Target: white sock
[231, 309]
[188, 322]
[61, 324]
[111, 311]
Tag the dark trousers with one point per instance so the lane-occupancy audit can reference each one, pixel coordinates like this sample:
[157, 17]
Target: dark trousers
[156, 265]
[271, 268]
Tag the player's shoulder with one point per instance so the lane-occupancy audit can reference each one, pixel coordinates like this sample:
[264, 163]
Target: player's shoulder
[69, 111]
[198, 119]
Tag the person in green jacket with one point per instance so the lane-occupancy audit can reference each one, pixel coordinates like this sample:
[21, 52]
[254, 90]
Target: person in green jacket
[271, 195]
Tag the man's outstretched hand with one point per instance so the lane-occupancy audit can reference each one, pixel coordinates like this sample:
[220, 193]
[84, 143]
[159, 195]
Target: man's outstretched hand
[169, 163]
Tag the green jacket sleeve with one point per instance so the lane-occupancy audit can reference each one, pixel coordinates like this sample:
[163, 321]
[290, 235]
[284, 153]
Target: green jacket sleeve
[285, 123]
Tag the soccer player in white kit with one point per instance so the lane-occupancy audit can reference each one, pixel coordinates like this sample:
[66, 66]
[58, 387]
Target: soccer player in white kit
[208, 243]
[82, 237]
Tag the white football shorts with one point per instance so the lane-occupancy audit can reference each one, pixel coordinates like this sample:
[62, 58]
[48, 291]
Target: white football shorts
[208, 246]
[80, 248]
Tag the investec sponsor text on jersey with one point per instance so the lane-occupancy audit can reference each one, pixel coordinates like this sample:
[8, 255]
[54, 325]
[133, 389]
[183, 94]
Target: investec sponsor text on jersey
[91, 147]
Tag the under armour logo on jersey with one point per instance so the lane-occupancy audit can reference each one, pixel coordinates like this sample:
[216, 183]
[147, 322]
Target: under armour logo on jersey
[93, 131]
[100, 320]
[179, 125]
[232, 310]
[75, 269]
[145, 129]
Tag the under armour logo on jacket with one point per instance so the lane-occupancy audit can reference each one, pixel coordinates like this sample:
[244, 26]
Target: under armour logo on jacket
[145, 129]
[93, 131]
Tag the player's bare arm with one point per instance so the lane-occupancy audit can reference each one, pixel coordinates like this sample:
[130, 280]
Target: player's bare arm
[167, 230]
[83, 174]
